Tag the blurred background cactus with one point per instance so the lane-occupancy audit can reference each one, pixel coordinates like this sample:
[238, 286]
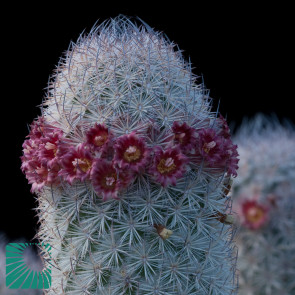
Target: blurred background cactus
[132, 169]
[264, 198]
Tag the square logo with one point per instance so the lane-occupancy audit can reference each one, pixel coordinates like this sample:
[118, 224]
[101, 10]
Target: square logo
[19, 275]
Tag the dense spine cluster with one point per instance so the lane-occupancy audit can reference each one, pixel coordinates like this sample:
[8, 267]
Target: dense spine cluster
[132, 170]
[264, 198]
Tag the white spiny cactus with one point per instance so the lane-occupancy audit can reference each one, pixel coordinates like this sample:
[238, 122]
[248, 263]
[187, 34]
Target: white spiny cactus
[264, 198]
[131, 169]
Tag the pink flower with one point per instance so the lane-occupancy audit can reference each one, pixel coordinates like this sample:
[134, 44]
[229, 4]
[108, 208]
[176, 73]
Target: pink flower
[217, 151]
[40, 169]
[48, 147]
[42, 143]
[39, 128]
[184, 135]
[253, 214]
[76, 164]
[30, 151]
[98, 137]
[107, 153]
[63, 147]
[131, 152]
[31, 145]
[230, 158]
[106, 180]
[38, 175]
[225, 131]
[168, 165]
[210, 145]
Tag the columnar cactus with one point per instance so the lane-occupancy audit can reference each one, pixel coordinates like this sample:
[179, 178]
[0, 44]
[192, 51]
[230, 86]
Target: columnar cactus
[131, 169]
[264, 198]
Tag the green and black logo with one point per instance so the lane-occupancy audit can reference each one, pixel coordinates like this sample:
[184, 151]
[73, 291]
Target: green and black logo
[19, 275]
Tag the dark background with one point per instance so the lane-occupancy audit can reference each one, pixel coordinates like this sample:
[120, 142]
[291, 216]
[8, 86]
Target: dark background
[242, 51]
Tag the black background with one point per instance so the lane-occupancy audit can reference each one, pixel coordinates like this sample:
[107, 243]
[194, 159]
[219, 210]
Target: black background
[242, 51]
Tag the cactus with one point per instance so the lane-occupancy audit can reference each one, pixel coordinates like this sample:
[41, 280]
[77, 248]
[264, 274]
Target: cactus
[264, 198]
[131, 170]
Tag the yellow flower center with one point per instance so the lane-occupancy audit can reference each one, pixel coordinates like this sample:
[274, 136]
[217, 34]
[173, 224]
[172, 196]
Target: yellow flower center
[51, 146]
[132, 153]
[180, 137]
[83, 164]
[208, 146]
[166, 165]
[254, 214]
[110, 181]
[100, 139]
